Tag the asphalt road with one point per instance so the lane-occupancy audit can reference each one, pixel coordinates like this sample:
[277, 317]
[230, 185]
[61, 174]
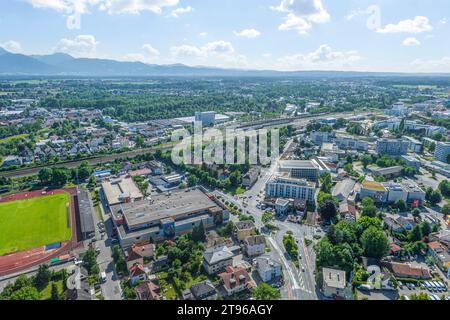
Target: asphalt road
[111, 289]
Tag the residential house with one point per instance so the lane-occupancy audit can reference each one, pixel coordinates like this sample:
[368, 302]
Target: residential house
[161, 263]
[250, 178]
[136, 253]
[235, 280]
[255, 245]
[347, 211]
[137, 273]
[441, 255]
[244, 229]
[334, 284]
[217, 259]
[268, 269]
[203, 290]
[405, 270]
[148, 291]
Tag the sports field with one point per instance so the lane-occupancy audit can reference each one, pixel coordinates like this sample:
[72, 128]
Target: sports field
[34, 222]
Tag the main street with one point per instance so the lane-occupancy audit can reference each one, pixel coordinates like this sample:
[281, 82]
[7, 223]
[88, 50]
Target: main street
[299, 284]
[111, 289]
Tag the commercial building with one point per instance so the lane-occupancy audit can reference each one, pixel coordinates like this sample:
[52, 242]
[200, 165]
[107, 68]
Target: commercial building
[319, 137]
[283, 186]
[388, 173]
[301, 169]
[392, 147]
[389, 192]
[374, 190]
[122, 190]
[411, 162]
[351, 144]
[399, 109]
[331, 152]
[414, 144]
[167, 215]
[206, 118]
[442, 151]
[343, 189]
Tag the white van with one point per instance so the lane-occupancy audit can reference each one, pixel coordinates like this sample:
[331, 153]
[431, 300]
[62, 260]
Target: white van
[103, 277]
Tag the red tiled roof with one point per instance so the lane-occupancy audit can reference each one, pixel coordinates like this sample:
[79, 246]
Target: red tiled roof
[403, 269]
[236, 274]
[394, 247]
[137, 270]
[435, 246]
[148, 291]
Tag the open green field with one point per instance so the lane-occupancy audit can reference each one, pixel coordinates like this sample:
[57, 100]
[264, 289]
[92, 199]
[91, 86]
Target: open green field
[30, 223]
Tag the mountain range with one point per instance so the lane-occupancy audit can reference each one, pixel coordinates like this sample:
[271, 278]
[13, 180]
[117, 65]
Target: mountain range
[61, 64]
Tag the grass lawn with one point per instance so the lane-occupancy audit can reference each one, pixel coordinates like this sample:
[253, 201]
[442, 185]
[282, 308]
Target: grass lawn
[30, 223]
[46, 293]
[12, 138]
[167, 288]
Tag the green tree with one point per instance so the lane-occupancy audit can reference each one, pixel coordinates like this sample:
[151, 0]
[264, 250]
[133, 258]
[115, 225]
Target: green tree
[401, 205]
[54, 292]
[265, 292]
[192, 181]
[59, 176]
[446, 209]
[374, 243]
[368, 208]
[366, 160]
[45, 176]
[42, 277]
[415, 234]
[328, 210]
[25, 293]
[198, 233]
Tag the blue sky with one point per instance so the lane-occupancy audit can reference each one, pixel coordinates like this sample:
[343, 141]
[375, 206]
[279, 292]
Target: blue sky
[377, 35]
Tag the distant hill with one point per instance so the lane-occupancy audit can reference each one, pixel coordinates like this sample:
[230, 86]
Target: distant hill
[61, 64]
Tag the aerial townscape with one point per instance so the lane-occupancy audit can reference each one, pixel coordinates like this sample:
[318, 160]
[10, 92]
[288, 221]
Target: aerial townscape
[354, 203]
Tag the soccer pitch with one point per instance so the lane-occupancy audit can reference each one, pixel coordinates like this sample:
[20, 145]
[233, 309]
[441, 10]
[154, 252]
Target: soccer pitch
[30, 223]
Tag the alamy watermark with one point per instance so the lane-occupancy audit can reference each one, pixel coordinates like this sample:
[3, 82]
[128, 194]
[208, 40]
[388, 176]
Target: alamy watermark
[231, 146]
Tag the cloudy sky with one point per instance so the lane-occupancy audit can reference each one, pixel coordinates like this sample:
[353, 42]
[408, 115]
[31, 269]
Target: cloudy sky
[375, 35]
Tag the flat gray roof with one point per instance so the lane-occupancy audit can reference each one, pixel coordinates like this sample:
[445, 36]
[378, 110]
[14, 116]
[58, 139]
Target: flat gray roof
[166, 206]
[298, 164]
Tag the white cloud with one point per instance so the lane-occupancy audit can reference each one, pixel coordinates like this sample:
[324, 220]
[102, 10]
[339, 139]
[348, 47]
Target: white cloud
[12, 46]
[217, 53]
[203, 34]
[80, 46]
[247, 33]
[441, 65]
[65, 6]
[111, 6]
[136, 6]
[417, 25]
[178, 11]
[293, 22]
[150, 51]
[322, 58]
[149, 55]
[411, 42]
[217, 47]
[302, 14]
